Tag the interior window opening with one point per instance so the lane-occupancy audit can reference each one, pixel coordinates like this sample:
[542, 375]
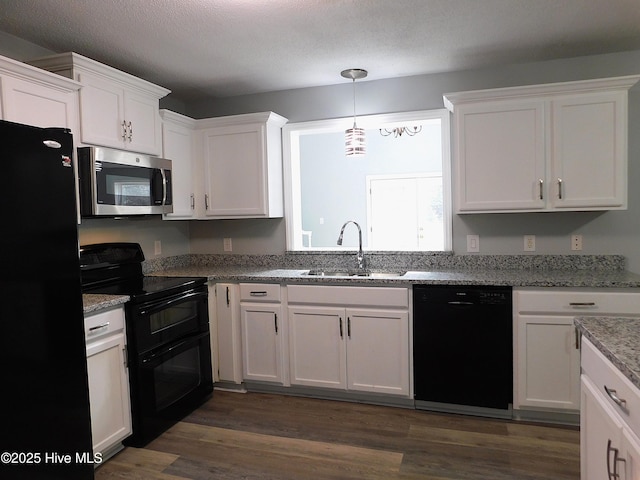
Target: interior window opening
[398, 193]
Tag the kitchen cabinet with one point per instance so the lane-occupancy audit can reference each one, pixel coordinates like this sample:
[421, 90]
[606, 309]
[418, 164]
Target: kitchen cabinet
[108, 381]
[117, 110]
[610, 407]
[226, 335]
[349, 338]
[35, 97]
[263, 331]
[241, 166]
[538, 148]
[547, 349]
[177, 146]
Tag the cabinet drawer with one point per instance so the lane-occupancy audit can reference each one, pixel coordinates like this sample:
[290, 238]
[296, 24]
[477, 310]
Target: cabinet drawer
[578, 302]
[259, 292]
[607, 377]
[390, 297]
[103, 323]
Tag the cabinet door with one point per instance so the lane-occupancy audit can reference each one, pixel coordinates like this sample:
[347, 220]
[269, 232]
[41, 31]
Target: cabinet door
[378, 351]
[547, 363]
[39, 105]
[600, 431]
[143, 120]
[177, 146]
[235, 171]
[101, 112]
[630, 462]
[317, 346]
[262, 342]
[108, 392]
[589, 151]
[500, 156]
[228, 345]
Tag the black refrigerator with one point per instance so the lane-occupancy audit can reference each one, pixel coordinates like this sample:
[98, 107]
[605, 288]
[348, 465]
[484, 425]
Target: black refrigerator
[45, 426]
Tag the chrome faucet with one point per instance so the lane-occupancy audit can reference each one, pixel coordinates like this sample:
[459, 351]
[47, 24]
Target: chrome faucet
[361, 262]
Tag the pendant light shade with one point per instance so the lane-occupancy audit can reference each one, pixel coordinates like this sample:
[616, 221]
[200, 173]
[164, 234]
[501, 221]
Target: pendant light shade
[355, 140]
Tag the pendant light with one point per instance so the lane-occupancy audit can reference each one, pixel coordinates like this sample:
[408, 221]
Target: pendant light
[355, 143]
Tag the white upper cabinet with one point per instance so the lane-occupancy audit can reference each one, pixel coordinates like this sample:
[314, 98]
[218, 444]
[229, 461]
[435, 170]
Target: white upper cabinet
[117, 110]
[547, 147]
[34, 97]
[177, 146]
[241, 159]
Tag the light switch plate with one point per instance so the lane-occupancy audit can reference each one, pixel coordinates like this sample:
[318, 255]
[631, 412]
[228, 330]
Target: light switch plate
[227, 245]
[473, 243]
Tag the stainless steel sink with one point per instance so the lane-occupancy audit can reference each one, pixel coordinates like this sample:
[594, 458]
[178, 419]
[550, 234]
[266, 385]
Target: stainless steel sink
[353, 273]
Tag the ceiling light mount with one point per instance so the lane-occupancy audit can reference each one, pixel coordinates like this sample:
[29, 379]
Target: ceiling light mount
[354, 73]
[355, 141]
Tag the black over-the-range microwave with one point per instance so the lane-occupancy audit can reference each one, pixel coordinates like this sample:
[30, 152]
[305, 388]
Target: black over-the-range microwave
[120, 183]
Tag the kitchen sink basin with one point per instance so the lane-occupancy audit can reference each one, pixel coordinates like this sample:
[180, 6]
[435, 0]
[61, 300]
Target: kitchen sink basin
[353, 273]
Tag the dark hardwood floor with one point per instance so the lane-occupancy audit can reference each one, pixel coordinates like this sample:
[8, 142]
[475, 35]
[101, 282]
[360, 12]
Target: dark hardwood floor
[263, 436]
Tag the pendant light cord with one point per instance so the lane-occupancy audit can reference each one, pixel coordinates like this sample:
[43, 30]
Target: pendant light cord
[354, 103]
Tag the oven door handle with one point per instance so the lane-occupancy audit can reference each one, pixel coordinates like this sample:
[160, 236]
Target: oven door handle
[182, 345]
[152, 307]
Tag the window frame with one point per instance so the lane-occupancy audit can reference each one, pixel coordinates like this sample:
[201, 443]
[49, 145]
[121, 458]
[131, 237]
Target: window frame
[291, 133]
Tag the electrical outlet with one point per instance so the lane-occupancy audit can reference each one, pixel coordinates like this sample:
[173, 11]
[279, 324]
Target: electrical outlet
[473, 243]
[157, 247]
[228, 246]
[529, 243]
[576, 242]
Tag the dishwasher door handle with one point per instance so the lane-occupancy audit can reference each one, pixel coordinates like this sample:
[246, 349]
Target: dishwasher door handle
[458, 302]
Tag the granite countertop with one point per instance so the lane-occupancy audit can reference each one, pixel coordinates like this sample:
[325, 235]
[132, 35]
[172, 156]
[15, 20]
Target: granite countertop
[427, 268]
[618, 339]
[508, 277]
[94, 302]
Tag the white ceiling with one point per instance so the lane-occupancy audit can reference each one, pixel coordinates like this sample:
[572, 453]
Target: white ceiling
[229, 47]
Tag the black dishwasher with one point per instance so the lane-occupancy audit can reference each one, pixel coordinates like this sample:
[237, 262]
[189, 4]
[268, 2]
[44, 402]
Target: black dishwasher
[463, 349]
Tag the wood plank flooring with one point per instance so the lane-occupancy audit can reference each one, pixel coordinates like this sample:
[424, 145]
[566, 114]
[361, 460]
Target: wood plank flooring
[253, 436]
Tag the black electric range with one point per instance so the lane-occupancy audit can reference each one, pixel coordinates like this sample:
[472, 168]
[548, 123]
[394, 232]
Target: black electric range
[167, 331]
[116, 269]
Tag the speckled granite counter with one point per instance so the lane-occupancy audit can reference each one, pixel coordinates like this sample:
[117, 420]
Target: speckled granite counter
[94, 302]
[509, 277]
[618, 338]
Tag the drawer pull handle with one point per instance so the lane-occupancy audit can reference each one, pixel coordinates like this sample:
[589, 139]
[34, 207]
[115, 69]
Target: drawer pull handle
[258, 294]
[582, 304]
[621, 402]
[104, 325]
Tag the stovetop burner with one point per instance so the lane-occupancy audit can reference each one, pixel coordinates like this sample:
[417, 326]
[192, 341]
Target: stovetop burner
[116, 269]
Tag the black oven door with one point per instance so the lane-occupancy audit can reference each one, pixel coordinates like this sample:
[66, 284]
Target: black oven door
[168, 384]
[163, 321]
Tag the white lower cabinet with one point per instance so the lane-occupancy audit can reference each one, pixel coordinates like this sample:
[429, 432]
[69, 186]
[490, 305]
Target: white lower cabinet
[549, 363]
[226, 338]
[338, 343]
[547, 348]
[108, 380]
[609, 445]
[263, 333]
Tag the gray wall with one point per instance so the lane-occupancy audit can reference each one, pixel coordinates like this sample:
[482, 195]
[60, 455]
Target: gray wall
[615, 232]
